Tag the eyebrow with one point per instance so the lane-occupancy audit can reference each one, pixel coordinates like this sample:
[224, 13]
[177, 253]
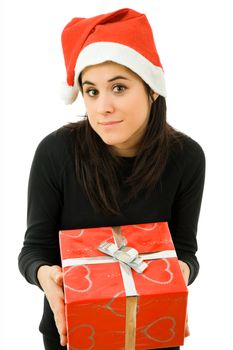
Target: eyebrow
[109, 81]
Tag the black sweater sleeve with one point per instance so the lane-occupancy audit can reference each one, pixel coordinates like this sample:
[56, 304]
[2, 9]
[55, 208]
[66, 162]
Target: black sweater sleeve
[186, 205]
[44, 206]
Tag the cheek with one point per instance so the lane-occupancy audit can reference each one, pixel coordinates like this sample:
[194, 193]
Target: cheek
[139, 102]
[90, 111]
[87, 106]
[91, 121]
[140, 111]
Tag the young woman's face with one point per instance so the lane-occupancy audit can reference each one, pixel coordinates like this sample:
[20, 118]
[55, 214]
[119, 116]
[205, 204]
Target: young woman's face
[117, 104]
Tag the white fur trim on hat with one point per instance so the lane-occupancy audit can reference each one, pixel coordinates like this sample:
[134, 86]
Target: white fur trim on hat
[109, 51]
[68, 93]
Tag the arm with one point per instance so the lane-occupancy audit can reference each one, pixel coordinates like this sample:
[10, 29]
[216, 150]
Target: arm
[186, 207]
[39, 259]
[41, 245]
[185, 213]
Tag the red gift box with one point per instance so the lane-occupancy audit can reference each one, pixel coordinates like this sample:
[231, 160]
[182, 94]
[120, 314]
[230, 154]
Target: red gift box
[111, 306]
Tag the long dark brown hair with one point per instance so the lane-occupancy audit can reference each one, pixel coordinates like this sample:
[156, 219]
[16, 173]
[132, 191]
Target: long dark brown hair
[97, 167]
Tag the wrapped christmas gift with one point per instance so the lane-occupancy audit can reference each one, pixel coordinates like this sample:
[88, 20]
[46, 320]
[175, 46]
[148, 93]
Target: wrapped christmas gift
[123, 288]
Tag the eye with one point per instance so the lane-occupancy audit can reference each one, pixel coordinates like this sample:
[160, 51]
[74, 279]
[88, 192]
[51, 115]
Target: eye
[91, 92]
[119, 88]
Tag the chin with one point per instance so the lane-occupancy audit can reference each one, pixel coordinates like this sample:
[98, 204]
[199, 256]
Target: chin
[111, 142]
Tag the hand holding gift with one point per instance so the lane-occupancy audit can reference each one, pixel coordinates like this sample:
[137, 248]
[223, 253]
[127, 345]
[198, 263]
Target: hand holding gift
[51, 281]
[186, 272]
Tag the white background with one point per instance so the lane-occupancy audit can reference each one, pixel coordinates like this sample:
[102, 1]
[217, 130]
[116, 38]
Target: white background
[194, 41]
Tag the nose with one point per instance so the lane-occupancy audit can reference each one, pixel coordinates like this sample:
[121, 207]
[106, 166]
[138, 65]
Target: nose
[105, 105]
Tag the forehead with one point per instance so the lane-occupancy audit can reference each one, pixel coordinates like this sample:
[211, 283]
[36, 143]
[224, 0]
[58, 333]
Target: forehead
[107, 70]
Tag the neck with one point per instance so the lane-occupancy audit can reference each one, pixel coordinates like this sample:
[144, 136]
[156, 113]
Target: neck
[127, 152]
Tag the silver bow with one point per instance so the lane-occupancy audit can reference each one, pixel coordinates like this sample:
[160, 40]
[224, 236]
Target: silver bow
[127, 255]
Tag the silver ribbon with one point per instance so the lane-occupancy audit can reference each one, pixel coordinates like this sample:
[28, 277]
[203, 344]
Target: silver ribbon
[126, 255]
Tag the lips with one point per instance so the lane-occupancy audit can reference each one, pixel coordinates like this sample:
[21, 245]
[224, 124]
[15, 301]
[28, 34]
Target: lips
[110, 123]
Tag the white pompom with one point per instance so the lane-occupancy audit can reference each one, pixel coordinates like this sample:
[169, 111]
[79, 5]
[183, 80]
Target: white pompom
[68, 93]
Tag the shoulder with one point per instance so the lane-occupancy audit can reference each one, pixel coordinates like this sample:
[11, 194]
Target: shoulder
[57, 139]
[56, 148]
[190, 148]
[57, 142]
[187, 153]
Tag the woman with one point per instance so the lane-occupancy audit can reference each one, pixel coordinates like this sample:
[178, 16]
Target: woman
[123, 164]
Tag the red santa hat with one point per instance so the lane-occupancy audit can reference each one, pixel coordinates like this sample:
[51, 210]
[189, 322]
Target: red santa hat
[122, 36]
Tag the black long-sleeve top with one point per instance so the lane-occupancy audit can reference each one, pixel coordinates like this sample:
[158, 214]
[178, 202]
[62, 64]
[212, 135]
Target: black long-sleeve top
[56, 202]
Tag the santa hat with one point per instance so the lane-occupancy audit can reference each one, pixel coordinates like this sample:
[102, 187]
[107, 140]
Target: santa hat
[122, 36]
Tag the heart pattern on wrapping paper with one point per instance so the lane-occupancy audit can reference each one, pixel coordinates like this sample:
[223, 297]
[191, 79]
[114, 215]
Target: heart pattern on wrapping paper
[167, 269]
[86, 333]
[112, 307]
[80, 281]
[77, 234]
[146, 227]
[167, 324]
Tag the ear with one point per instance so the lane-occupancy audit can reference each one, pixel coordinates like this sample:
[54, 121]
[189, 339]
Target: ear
[154, 96]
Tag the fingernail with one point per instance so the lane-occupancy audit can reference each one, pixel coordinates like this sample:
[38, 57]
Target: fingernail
[62, 342]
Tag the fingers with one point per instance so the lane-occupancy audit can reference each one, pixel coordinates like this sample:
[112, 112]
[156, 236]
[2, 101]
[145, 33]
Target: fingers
[187, 332]
[185, 271]
[58, 304]
[51, 280]
[59, 317]
[63, 340]
[56, 275]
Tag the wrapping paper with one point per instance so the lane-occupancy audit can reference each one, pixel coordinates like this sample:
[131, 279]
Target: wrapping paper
[111, 306]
